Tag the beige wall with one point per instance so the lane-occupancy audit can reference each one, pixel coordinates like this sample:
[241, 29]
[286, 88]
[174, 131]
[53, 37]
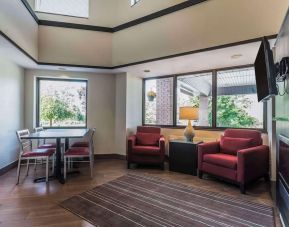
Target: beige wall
[11, 110]
[101, 104]
[211, 23]
[17, 23]
[126, 13]
[74, 46]
[120, 113]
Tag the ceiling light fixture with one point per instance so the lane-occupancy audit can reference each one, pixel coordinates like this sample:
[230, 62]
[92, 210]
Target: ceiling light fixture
[236, 56]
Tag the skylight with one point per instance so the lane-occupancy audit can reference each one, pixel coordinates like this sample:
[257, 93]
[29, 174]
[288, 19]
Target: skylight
[76, 8]
[133, 2]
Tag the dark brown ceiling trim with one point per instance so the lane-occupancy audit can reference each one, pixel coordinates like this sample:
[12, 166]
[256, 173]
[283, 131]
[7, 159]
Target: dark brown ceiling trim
[17, 46]
[30, 10]
[129, 24]
[75, 26]
[196, 51]
[139, 62]
[158, 14]
[74, 65]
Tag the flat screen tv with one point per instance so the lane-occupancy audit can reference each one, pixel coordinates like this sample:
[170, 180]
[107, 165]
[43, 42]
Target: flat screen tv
[265, 72]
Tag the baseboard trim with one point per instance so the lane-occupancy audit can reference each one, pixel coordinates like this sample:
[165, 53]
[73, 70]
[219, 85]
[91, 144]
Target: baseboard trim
[110, 156]
[7, 168]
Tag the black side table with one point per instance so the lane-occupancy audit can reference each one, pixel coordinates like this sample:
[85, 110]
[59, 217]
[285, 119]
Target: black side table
[183, 156]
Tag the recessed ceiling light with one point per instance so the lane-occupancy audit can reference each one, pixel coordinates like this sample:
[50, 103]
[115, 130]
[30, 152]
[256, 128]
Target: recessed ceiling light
[146, 70]
[236, 56]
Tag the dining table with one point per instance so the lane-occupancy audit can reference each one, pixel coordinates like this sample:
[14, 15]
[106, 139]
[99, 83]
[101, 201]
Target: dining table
[58, 135]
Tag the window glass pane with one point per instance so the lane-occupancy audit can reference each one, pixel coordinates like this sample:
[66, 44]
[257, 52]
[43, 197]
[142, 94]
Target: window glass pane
[77, 8]
[195, 90]
[62, 103]
[133, 2]
[159, 101]
[237, 104]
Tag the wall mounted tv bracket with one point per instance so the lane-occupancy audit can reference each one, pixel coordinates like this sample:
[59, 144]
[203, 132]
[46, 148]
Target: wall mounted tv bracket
[282, 70]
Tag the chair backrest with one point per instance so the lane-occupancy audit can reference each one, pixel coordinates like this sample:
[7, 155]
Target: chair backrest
[39, 141]
[255, 135]
[148, 129]
[25, 144]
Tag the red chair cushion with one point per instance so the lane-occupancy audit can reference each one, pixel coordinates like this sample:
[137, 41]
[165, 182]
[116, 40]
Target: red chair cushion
[147, 139]
[38, 153]
[80, 144]
[77, 151]
[255, 135]
[149, 129]
[224, 160]
[146, 150]
[47, 145]
[231, 145]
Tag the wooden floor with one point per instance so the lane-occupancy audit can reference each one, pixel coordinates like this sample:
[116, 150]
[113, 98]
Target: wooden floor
[29, 204]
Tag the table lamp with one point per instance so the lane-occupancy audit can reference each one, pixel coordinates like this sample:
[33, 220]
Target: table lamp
[189, 113]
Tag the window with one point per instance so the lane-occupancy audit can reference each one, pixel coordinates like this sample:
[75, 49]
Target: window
[226, 98]
[76, 8]
[237, 104]
[195, 90]
[133, 2]
[61, 103]
[159, 101]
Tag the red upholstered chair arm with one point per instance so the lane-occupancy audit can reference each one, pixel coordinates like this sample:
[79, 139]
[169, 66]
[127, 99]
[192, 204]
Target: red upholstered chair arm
[162, 145]
[207, 148]
[252, 163]
[131, 142]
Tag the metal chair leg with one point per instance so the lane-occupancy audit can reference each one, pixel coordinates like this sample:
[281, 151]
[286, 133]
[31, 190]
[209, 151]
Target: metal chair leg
[47, 169]
[91, 166]
[35, 164]
[27, 168]
[18, 170]
[64, 168]
[53, 163]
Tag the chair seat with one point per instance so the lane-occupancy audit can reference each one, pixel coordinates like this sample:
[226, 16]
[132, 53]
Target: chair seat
[146, 150]
[77, 151]
[38, 153]
[80, 144]
[220, 159]
[49, 145]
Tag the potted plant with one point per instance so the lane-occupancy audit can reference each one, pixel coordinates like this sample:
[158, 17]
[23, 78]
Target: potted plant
[151, 95]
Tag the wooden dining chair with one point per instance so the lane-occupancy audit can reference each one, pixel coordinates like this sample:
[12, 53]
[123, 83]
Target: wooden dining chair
[81, 152]
[28, 153]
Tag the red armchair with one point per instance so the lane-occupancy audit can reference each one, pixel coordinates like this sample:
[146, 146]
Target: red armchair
[146, 147]
[238, 157]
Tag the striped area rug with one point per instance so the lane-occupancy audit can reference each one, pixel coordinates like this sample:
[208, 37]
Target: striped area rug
[141, 200]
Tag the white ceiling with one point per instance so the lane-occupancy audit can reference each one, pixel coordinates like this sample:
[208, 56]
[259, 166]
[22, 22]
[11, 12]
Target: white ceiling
[214, 59]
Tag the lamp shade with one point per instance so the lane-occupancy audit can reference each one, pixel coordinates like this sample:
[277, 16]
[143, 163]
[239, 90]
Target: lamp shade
[189, 113]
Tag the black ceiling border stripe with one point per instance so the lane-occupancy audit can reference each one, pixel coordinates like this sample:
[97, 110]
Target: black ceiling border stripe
[30, 10]
[158, 14]
[75, 66]
[139, 62]
[17, 46]
[197, 51]
[126, 25]
[75, 26]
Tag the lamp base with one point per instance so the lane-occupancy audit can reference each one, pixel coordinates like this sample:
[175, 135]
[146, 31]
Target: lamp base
[189, 132]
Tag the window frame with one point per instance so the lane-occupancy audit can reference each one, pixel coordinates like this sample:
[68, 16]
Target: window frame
[214, 101]
[60, 14]
[38, 79]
